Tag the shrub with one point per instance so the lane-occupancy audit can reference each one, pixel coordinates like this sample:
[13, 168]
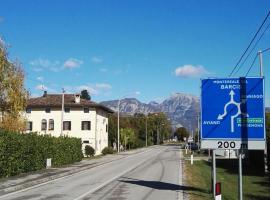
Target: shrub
[107, 150]
[89, 151]
[22, 153]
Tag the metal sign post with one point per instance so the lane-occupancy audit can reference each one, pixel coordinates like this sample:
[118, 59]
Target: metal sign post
[214, 173]
[240, 181]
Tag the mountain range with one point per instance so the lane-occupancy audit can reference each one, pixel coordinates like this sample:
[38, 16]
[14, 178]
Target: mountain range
[181, 109]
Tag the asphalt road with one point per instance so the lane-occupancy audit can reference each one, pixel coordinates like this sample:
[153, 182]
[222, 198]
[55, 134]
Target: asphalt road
[153, 174]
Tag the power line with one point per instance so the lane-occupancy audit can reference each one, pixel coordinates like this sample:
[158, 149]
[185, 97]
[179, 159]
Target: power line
[257, 42]
[265, 50]
[255, 58]
[250, 43]
[252, 64]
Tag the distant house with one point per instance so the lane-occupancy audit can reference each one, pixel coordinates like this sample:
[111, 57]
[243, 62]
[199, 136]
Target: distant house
[81, 118]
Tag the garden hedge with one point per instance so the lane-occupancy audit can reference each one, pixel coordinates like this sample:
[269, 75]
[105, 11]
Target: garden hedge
[20, 153]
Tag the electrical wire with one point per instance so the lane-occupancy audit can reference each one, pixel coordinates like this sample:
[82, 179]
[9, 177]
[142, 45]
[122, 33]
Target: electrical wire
[251, 51]
[252, 64]
[265, 50]
[250, 43]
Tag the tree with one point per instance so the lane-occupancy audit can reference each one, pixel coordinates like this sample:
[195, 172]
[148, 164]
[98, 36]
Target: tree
[85, 95]
[128, 137]
[13, 95]
[158, 126]
[181, 133]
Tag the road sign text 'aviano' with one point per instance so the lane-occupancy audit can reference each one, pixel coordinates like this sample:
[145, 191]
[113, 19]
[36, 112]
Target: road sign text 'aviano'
[232, 113]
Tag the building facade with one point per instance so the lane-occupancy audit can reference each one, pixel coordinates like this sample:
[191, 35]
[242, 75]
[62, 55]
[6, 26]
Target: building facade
[79, 118]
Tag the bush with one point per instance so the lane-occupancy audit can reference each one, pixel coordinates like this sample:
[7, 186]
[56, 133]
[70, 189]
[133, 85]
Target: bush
[107, 150]
[89, 151]
[22, 153]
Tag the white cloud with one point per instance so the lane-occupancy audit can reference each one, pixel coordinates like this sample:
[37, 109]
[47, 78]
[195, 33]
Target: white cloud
[94, 89]
[41, 64]
[103, 86]
[190, 71]
[72, 63]
[41, 87]
[96, 60]
[40, 78]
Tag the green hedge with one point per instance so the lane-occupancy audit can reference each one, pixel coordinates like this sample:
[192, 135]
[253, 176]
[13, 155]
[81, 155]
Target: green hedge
[20, 153]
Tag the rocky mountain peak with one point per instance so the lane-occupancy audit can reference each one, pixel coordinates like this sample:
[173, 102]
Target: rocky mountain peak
[180, 108]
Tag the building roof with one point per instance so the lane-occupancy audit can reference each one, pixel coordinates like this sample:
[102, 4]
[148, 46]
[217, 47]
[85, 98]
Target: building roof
[55, 100]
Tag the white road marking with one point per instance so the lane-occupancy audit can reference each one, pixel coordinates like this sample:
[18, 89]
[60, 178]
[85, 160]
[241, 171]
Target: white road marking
[109, 181]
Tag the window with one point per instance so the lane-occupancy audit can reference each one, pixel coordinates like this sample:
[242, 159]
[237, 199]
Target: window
[51, 124]
[47, 110]
[86, 110]
[44, 125]
[106, 128]
[29, 126]
[86, 125]
[86, 142]
[28, 110]
[67, 110]
[66, 125]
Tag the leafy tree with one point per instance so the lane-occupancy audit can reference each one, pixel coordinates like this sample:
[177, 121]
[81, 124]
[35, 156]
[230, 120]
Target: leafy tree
[158, 129]
[128, 137]
[181, 133]
[85, 95]
[13, 95]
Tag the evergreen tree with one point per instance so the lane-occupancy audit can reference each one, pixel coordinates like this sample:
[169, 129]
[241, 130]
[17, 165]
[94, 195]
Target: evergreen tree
[85, 95]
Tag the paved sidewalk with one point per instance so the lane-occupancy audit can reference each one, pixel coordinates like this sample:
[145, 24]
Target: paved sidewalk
[23, 181]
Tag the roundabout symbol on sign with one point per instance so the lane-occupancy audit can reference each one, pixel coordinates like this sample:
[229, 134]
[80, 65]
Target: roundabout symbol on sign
[239, 112]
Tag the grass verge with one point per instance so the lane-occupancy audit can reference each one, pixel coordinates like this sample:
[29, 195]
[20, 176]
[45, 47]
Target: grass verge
[256, 186]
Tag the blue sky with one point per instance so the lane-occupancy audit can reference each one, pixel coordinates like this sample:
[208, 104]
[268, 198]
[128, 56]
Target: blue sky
[147, 49]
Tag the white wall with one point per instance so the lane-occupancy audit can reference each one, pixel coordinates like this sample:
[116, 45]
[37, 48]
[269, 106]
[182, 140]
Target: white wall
[102, 135]
[98, 119]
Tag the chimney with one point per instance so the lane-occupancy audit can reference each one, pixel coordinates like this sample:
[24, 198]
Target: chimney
[45, 93]
[77, 98]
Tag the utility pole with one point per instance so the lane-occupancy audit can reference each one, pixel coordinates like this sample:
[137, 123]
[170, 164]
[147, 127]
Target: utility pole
[118, 134]
[198, 128]
[62, 113]
[146, 131]
[261, 75]
[261, 63]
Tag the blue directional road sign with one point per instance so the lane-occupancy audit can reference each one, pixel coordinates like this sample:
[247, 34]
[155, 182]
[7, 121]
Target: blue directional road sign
[232, 113]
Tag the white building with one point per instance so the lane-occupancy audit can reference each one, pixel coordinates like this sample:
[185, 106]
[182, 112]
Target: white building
[81, 118]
